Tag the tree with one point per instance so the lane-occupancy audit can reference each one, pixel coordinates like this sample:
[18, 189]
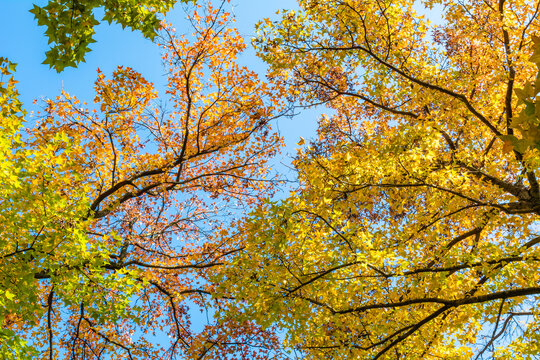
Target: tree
[413, 233]
[106, 210]
[70, 24]
[12, 115]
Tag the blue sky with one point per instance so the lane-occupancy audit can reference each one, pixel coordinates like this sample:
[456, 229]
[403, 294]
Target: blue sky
[22, 41]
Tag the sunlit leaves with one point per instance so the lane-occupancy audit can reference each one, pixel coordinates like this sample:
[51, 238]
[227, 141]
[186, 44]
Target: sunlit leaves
[70, 24]
[108, 208]
[527, 122]
[413, 232]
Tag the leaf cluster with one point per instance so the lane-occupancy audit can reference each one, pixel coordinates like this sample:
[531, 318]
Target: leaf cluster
[70, 24]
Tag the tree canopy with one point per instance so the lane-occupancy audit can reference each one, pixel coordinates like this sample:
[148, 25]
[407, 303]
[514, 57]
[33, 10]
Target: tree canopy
[107, 208]
[413, 232]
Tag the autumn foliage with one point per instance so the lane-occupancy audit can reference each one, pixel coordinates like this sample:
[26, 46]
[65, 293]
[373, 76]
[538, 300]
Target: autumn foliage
[107, 207]
[413, 232]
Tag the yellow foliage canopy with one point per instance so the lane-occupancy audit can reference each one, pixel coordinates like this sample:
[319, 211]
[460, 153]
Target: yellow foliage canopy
[414, 231]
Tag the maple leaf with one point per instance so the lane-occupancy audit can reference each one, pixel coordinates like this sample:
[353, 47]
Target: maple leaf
[70, 24]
